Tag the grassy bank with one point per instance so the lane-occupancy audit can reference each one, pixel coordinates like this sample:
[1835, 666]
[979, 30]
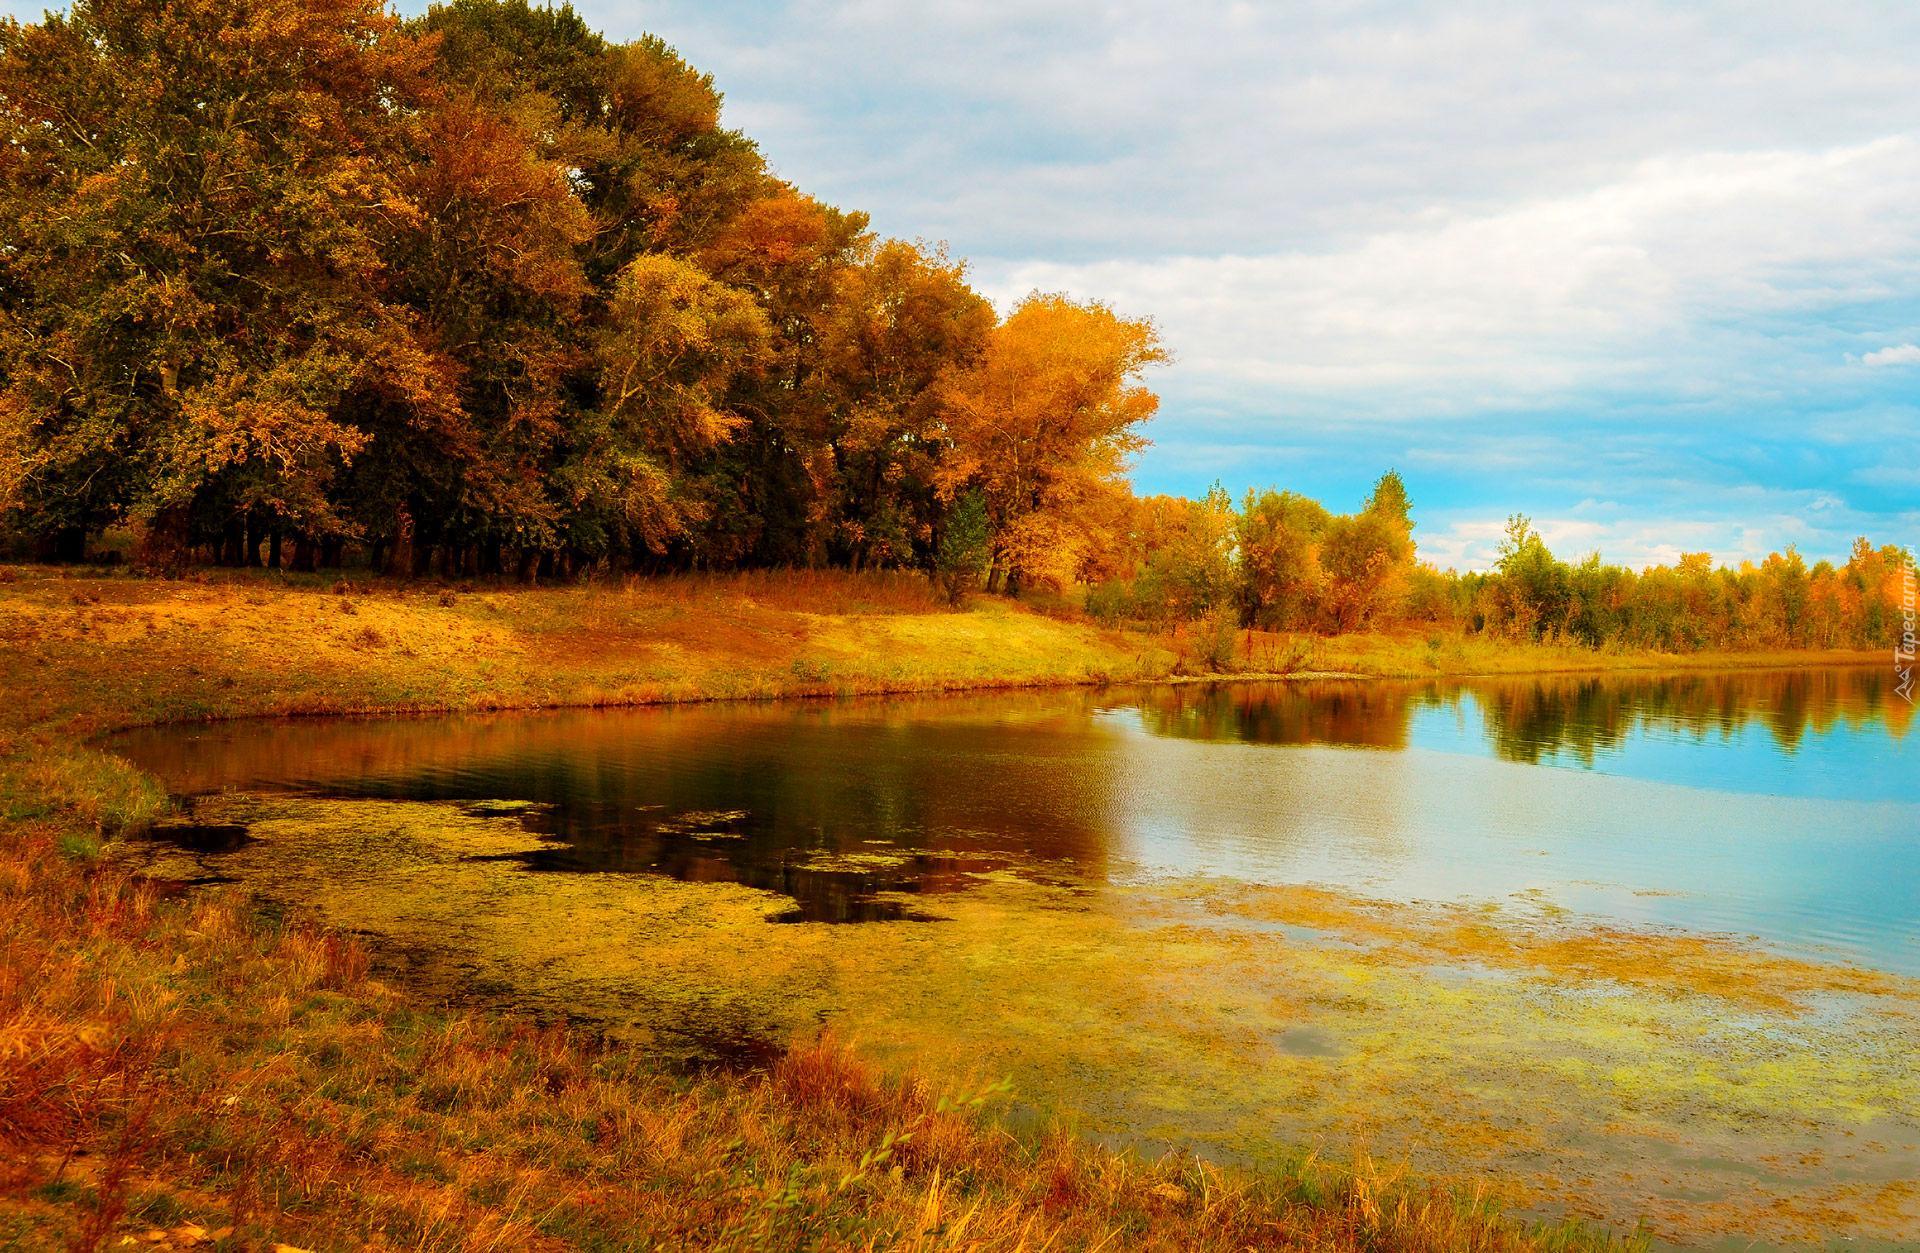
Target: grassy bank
[185, 1068]
[1417, 655]
[114, 651]
[89, 653]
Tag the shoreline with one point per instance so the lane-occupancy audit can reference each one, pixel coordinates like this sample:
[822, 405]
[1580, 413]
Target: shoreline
[92, 656]
[218, 650]
[1718, 662]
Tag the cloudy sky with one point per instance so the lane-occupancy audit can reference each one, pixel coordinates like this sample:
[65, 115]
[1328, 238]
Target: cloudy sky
[1647, 272]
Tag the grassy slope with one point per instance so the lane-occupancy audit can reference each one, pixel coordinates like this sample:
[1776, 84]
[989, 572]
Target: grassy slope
[87, 654]
[113, 651]
[187, 1066]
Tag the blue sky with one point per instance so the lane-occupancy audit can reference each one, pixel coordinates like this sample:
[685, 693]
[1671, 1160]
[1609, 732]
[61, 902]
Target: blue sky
[1647, 272]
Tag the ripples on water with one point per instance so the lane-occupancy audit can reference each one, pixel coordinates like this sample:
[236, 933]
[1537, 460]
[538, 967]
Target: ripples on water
[1777, 804]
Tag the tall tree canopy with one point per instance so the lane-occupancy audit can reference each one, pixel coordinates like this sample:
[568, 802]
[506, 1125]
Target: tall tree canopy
[487, 289]
[484, 291]
[204, 199]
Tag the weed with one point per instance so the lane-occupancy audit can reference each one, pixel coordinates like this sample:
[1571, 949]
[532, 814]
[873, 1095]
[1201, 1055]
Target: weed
[78, 846]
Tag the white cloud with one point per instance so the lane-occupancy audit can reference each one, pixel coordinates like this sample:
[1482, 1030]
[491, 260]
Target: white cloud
[1898, 354]
[1637, 250]
[1614, 285]
[1622, 538]
[1100, 128]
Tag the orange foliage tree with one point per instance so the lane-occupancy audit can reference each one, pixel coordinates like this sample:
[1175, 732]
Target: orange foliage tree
[1044, 424]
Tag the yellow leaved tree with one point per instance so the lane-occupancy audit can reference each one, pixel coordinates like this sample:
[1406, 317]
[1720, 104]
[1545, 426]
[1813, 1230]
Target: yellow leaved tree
[1043, 425]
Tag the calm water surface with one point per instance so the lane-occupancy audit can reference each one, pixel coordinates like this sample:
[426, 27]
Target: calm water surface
[1237, 919]
[1778, 805]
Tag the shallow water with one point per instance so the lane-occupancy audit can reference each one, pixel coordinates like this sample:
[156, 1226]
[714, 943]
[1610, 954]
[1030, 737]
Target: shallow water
[1637, 945]
[1784, 806]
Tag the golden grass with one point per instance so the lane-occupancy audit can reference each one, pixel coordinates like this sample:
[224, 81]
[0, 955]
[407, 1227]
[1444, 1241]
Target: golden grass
[190, 1071]
[120, 651]
[1408, 653]
[187, 1069]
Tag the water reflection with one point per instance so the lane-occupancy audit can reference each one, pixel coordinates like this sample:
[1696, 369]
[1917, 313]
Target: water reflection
[1774, 803]
[1351, 714]
[1578, 718]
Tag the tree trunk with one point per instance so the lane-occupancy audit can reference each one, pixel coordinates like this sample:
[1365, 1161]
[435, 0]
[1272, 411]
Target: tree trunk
[403, 543]
[232, 535]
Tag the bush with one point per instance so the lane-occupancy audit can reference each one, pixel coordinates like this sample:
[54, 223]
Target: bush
[1216, 640]
[965, 548]
[1110, 603]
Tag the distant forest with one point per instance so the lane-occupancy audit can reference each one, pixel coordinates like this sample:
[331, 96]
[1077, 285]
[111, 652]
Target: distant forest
[484, 293]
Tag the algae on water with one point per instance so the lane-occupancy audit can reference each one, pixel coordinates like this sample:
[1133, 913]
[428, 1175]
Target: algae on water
[1620, 1073]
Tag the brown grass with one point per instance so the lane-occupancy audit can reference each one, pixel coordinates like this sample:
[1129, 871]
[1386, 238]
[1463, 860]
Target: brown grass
[184, 1070]
[1409, 653]
[180, 1065]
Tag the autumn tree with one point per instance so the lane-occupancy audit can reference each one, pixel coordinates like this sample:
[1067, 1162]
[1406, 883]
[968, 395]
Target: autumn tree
[1531, 592]
[1188, 551]
[673, 343]
[899, 322]
[791, 253]
[634, 135]
[1282, 585]
[494, 270]
[1044, 424]
[1367, 557]
[964, 548]
[203, 199]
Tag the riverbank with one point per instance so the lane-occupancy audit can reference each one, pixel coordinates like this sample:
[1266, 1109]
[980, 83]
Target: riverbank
[94, 652]
[188, 1065]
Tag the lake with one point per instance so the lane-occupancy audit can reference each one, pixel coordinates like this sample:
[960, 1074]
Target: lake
[1639, 948]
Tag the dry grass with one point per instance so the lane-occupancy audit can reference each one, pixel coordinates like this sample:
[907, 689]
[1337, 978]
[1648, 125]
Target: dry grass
[119, 651]
[180, 1065]
[1417, 654]
[91, 653]
[186, 1070]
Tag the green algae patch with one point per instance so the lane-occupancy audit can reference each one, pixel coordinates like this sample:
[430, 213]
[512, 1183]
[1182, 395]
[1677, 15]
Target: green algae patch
[503, 808]
[856, 861]
[1596, 1071]
[1558, 946]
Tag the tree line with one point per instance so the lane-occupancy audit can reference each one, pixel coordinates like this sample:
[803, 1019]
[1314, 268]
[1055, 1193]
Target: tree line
[1280, 561]
[485, 292]
[289, 282]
